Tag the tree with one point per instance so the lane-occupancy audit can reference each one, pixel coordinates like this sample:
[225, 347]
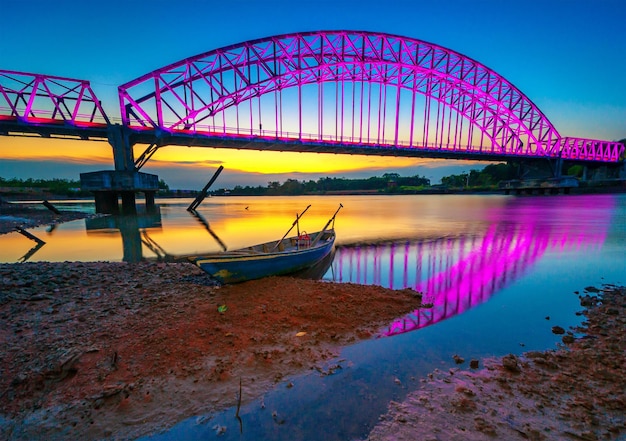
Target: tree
[576, 170]
[500, 172]
[454, 181]
[163, 185]
[292, 187]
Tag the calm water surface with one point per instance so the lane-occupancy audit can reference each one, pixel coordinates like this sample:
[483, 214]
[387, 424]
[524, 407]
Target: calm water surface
[494, 267]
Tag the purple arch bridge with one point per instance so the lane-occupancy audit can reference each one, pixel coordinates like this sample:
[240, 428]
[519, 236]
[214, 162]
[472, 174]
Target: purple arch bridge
[330, 92]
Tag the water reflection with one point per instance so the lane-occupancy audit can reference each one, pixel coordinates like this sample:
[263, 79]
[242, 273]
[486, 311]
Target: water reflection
[458, 273]
[207, 227]
[129, 227]
[135, 234]
[31, 252]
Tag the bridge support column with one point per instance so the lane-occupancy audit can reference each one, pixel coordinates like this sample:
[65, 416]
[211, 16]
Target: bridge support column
[149, 195]
[128, 202]
[123, 157]
[124, 181]
[106, 202]
[558, 168]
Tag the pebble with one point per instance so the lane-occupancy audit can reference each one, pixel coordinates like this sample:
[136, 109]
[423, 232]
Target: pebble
[558, 330]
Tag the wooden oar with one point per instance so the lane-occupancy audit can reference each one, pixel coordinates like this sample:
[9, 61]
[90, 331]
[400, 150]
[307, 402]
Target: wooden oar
[298, 216]
[332, 219]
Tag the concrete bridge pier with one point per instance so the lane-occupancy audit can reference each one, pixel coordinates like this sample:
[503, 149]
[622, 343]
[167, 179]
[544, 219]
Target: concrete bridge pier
[128, 202]
[124, 182]
[110, 185]
[119, 139]
[108, 201]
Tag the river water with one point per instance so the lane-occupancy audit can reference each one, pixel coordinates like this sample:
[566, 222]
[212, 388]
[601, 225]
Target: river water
[500, 271]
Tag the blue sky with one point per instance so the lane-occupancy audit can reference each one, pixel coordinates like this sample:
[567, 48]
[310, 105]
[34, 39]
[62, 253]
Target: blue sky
[567, 56]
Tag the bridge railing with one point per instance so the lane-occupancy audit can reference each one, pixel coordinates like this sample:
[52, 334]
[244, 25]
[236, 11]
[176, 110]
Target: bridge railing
[591, 149]
[570, 148]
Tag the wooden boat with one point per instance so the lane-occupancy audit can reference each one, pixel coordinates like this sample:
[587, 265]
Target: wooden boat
[276, 258]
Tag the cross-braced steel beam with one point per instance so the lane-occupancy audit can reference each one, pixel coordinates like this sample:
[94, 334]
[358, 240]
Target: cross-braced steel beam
[44, 99]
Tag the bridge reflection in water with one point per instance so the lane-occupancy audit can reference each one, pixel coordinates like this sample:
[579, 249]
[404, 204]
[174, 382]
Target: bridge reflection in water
[455, 273]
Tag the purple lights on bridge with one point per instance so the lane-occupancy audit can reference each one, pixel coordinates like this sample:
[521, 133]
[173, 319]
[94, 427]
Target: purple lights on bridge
[349, 89]
[328, 91]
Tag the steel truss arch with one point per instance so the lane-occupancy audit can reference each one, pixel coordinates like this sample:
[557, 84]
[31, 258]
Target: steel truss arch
[188, 96]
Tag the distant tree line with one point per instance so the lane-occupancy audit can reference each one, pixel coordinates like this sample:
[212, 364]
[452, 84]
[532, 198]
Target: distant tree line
[485, 178]
[61, 187]
[58, 187]
[488, 178]
[387, 182]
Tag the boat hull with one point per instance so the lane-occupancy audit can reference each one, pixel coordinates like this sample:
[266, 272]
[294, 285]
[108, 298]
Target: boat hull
[231, 267]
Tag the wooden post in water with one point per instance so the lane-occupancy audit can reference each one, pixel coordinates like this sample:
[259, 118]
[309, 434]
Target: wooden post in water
[51, 207]
[204, 191]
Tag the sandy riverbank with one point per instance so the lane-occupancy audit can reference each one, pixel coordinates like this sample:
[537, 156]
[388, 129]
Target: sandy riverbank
[26, 216]
[94, 350]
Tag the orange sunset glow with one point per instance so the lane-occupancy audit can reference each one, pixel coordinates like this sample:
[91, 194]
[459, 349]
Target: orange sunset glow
[250, 161]
[39, 149]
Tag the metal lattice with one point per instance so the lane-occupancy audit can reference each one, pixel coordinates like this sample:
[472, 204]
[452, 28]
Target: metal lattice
[350, 88]
[43, 99]
[340, 92]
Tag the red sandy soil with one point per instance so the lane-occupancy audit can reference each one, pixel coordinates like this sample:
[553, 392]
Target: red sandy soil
[94, 350]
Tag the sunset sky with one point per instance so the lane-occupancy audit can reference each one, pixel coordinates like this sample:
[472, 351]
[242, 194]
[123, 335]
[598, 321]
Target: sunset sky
[567, 56]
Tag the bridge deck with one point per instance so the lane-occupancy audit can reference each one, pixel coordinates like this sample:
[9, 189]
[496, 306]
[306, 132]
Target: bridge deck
[49, 128]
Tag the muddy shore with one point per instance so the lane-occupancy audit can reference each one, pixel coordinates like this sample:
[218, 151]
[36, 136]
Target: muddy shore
[96, 350]
[114, 350]
[574, 392]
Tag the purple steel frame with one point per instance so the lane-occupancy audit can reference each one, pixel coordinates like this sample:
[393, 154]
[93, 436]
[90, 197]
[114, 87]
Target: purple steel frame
[44, 99]
[347, 89]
